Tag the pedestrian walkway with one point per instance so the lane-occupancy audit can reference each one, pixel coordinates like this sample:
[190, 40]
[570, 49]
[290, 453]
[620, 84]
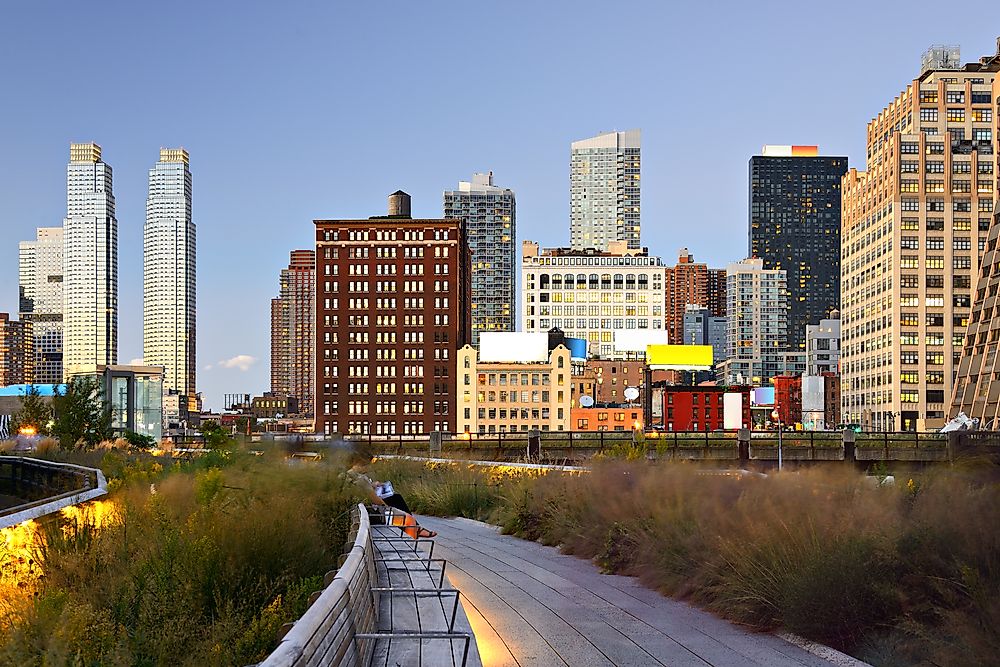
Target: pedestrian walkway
[531, 605]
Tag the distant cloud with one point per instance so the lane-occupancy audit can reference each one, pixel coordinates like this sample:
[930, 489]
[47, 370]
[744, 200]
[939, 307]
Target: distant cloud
[136, 362]
[208, 367]
[242, 362]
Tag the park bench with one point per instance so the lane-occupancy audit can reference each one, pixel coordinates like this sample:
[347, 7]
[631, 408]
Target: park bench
[388, 604]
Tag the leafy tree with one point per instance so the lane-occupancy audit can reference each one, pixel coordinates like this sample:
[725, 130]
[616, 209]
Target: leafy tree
[82, 416]
[139, 440]
[213, 433]
[35, 412]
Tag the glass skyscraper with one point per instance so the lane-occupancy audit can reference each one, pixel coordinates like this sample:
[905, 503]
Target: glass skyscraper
[90, 263]
[604, 189]
[795, 228]
[169, 263]
[490, 227]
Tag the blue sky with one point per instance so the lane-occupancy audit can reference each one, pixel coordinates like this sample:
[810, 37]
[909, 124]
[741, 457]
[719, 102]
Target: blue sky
[298, 110]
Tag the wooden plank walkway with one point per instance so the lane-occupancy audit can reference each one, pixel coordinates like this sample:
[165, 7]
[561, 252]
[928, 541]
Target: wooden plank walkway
[531, 605]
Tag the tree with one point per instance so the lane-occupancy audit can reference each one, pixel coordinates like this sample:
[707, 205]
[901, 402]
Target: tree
[35, 412]
[82, 416]
[213, 434]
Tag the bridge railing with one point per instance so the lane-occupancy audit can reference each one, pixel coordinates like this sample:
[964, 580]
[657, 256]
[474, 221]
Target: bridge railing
[45, 487]
[346, 607]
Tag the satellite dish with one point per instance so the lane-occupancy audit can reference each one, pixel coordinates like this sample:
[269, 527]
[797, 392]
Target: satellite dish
[631, 393]
[586, 401]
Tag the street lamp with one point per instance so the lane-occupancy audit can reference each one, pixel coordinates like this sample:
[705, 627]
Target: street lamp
[776, 417]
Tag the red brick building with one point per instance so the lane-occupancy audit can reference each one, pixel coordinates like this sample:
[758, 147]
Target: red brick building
[698, 408]
[691, 283]
[788, 398]
[392, 309]
[17, 351]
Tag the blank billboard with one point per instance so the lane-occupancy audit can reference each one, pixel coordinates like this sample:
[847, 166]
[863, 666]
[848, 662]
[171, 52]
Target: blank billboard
[732, 410]
[679, 357]
[577, 349]
[636, 340]
[812, 394]
[513, 346]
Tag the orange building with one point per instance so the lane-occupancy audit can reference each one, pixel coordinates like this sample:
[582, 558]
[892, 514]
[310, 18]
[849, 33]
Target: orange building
[620, 418]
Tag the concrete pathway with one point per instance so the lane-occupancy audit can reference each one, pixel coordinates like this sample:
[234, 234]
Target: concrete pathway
[531, 605]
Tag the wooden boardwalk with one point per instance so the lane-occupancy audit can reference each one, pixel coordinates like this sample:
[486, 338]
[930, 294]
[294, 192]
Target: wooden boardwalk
[530, 605]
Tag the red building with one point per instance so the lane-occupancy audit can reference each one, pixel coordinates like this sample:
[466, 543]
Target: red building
[788, 398]
[392, 308]
[691, 283]
[698, 408]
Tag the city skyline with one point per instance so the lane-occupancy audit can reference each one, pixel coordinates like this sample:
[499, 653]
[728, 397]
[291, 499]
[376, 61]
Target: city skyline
[245, 239]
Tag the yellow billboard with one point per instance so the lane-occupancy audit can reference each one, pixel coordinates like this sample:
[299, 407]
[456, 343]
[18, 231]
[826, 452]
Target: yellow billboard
[679, 357]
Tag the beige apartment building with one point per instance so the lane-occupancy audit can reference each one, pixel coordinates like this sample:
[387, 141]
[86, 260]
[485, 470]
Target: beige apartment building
[510, 396]
[914, 228]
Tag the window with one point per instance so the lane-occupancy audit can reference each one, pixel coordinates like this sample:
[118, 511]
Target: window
[909, 396]
[929, 114]
[955, 97]
[982, 134]
[933, 167]
[932, 243]
[956, 115]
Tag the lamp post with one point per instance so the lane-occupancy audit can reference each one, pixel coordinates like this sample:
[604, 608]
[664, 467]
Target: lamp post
[777, 418]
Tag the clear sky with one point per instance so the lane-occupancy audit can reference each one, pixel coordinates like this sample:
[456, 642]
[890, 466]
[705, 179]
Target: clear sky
[297, 110]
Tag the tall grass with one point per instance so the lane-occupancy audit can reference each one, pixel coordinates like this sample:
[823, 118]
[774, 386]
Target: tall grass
[901, 575]
[201, 569]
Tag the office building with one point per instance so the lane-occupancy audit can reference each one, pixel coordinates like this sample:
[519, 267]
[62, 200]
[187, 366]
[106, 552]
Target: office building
[293, 332]
[591, 294]
[701, 327]
[914, 229]
[17, 351]
[977, 379]
[40, 277]
[392, 308]
[692, 283]
[823, 346]
[604, 180]
[489, 214]
[795, 227]
[168, 273]
[90, 263]
[757, 324]
[516, 393]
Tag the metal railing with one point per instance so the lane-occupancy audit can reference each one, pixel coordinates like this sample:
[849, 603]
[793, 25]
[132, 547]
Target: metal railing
[45, 487]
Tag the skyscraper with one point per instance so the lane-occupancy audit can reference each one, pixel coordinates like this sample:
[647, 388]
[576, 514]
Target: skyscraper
[795, 227]
[40, 274]
[914, 229]
[756, 324]
[90, 261]
[17, 352]
[604, 197]
[392, 309]
[293, 322]
[490, 226]
[168, 273]
[691, 283]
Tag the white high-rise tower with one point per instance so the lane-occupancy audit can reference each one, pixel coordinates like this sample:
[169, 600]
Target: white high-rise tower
[604, 190]
[90, 261]
[40, 276]
[168, 276]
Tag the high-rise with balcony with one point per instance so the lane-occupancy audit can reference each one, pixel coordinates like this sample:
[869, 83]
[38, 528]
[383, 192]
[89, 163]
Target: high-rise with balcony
[392, 309]
[756, 324]
[293, 340]
[90, 263]
[168, 272]
[40, 274]
[914, 230]
[795, 227]
[604, 201]
[490, 226]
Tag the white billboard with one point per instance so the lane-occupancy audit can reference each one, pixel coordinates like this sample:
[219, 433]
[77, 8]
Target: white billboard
[812, 393]
[513, 346]
[732, 410]
[636, 340]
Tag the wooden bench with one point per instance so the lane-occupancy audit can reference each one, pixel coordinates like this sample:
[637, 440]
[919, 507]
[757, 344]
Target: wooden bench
[388, 604]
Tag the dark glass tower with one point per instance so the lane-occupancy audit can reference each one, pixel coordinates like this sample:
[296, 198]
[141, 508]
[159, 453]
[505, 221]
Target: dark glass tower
[795, 226]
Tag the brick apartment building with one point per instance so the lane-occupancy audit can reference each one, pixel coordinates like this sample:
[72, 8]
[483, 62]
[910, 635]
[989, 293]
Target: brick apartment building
[691, 283]
[392, 309]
